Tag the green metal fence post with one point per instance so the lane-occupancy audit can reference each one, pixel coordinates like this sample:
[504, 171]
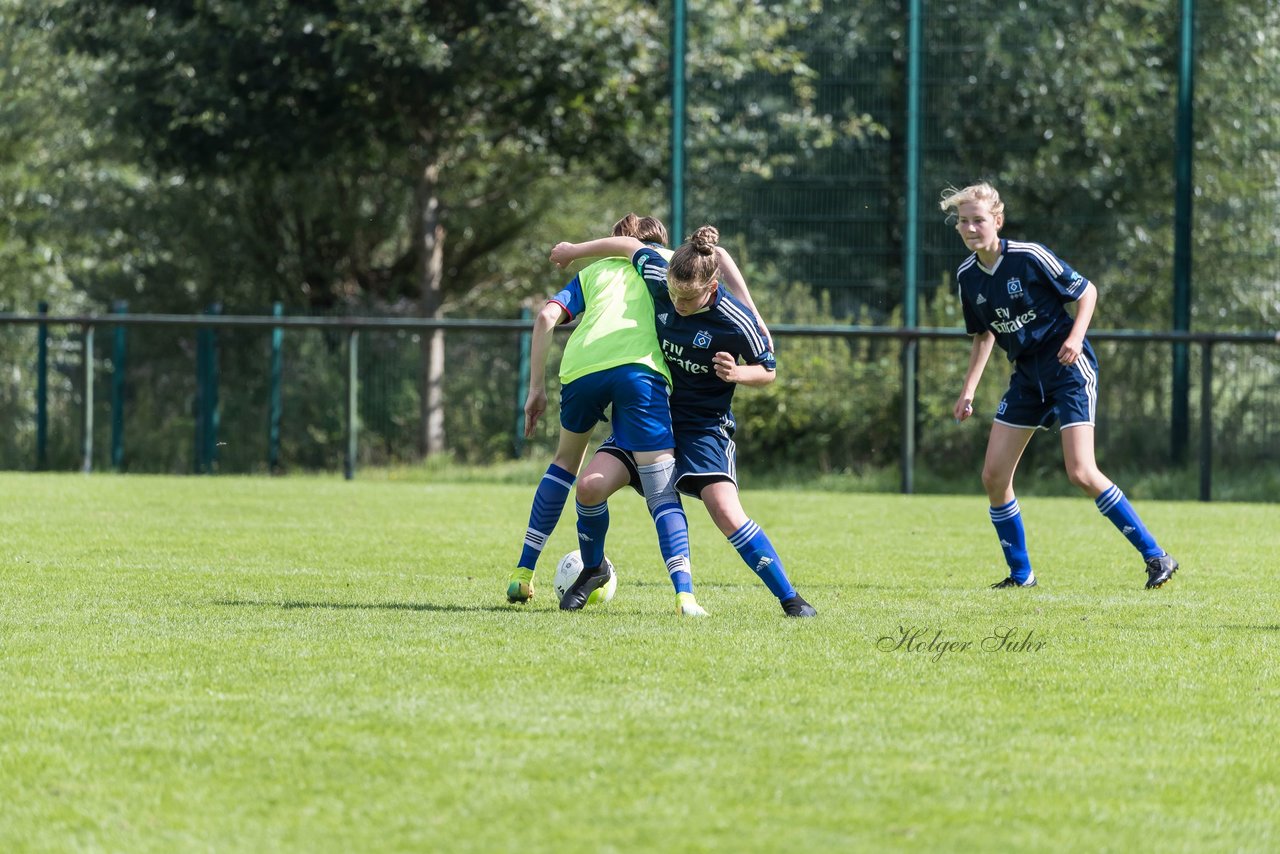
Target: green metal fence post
[522, 383]
[1206, 421]
[197, 420]
[276, 404]
[199, 463]
[213, 413]
[678, 33]
[1183, 190]
[353, 393]
[207, 396]
[42, 390]
[118, 356]
[911, 244]
[86, 357]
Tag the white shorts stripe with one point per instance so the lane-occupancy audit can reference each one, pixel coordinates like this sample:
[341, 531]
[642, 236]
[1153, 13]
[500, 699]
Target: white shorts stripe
[1085, 367]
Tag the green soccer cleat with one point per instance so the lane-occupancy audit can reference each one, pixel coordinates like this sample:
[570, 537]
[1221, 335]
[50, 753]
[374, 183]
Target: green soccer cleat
[520, 587]
[687, 606]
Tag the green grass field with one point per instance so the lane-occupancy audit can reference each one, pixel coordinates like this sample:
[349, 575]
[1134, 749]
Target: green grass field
[312, 665]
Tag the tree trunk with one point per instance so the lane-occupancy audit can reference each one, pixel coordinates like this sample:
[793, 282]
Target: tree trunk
[431, 382]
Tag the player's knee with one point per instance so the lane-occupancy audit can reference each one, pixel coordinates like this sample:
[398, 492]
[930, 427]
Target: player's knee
[659, 482]
[725, 521]
[994, 480]
[661, 498]
[1083, 476]
[592, 490]
[568, 459]
[727, 515]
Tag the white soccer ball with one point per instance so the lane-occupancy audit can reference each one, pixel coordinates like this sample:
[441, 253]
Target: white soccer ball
[568, 570]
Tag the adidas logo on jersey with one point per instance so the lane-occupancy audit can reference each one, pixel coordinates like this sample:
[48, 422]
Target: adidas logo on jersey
[981, 300]
[662, 317]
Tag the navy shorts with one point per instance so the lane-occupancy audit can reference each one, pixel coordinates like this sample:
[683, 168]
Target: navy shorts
[705, 454]
[1042, 391]
[641, 410]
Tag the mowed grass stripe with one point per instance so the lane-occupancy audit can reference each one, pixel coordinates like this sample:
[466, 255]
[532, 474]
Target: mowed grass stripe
[309, 664]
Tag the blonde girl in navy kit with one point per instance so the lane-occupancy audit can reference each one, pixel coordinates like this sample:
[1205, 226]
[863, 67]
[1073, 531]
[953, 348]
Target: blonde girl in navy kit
[1014, 294]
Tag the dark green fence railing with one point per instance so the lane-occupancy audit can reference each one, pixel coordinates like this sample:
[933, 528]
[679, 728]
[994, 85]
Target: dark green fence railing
[345, 396]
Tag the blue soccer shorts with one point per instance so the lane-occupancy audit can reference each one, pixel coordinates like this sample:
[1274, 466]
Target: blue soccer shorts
[641, 411]
[705, 454]
[1042, 391]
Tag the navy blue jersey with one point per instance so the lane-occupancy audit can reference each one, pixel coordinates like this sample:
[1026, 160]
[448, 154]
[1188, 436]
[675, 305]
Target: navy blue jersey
[1022, 299]
[690, 343]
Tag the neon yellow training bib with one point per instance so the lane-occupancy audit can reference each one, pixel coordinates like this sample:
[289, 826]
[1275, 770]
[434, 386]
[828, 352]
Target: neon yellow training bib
[616, 325]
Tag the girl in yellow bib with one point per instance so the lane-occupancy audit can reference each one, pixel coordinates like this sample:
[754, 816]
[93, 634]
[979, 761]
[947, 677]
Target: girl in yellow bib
[612, 361]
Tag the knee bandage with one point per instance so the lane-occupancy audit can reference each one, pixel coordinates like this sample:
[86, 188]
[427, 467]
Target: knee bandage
[659, 483]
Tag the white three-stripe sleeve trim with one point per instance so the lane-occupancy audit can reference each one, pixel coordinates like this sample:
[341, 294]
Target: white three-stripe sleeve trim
[964, 265]
[746, 325]
[1043, 255]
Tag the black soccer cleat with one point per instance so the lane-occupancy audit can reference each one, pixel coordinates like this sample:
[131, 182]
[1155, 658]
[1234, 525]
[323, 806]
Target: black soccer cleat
[1009, 582]
[588, 582]
[797, 607]
[1159, 570]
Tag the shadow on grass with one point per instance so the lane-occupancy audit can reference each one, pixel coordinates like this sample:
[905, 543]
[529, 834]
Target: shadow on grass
[290, 605]
[755, 583]
[1271, 628]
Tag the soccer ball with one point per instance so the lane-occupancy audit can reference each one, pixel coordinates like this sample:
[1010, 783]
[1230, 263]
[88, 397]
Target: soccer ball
[568, 570]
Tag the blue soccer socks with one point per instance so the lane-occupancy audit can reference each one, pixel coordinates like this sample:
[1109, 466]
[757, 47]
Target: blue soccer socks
[593, 525]
[1112, 504]
[753, 545]
[659, 482]
[548, 503]
[1013, 540]
[681, 577]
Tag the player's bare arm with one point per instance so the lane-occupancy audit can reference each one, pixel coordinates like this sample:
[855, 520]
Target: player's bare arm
[564, 254]
[736, 284]
[979, 352]
[728, 369]
[535, 404]
[1074, 345]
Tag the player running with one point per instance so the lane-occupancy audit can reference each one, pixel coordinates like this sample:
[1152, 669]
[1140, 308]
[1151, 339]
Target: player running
[712, 342]
[1014, 294]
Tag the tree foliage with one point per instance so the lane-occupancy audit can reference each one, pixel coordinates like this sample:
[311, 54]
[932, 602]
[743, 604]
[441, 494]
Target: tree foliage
[401, 156]
[316, 122]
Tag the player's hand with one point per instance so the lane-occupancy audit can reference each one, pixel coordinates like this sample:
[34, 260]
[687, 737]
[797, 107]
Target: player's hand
[562, 255]
[963, 408]
[726, 367]
[534, 405]
[1070, 351]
